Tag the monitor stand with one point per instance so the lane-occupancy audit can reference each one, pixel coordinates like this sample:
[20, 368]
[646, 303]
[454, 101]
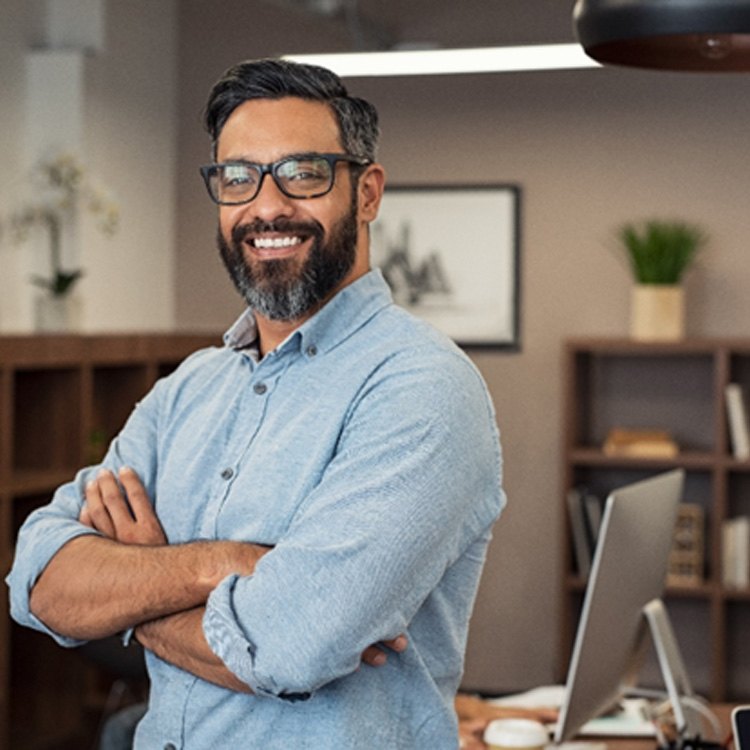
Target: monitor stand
[687, 719]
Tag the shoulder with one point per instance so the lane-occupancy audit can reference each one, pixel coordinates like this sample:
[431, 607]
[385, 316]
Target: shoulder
[410, 368]
[409, 344]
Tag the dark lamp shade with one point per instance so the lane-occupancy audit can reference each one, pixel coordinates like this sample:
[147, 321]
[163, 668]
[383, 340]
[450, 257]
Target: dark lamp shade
[691, 35]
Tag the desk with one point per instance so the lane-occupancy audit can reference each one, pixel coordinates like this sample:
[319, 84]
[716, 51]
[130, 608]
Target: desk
[723, 712]
[475, 713]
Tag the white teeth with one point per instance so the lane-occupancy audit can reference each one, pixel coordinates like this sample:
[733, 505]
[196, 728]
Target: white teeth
[264, 243]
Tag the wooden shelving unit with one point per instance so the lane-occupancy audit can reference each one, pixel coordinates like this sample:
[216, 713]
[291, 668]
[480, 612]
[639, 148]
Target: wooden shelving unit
[679, 387]
[62, 399]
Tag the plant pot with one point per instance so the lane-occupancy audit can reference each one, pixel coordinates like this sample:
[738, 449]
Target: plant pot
[657, 312]
[56, 314]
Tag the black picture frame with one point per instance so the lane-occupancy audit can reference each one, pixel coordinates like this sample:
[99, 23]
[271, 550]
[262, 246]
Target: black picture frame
[451, 255]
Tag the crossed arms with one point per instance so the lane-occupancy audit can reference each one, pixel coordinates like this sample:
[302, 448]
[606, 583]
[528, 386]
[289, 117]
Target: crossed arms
[130, 577]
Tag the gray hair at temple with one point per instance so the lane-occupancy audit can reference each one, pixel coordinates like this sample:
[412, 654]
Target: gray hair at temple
[276, 79]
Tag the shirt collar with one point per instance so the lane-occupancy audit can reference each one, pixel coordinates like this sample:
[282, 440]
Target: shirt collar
[351, 308]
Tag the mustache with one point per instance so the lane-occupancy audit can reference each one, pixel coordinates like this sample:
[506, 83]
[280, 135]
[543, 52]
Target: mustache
[242, 231]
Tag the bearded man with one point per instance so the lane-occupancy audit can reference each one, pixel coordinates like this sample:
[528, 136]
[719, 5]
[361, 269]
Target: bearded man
[325, 481]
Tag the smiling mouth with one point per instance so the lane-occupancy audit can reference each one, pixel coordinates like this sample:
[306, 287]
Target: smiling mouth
[267, 240]
[275, 243]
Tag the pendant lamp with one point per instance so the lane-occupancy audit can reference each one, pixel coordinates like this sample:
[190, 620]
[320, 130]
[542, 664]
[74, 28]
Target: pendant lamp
[697, 35]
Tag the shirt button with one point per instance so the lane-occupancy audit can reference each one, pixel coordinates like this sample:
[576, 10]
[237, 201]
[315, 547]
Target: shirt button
[170, 746]
[260, 388]
[227, 473]
[312, 350]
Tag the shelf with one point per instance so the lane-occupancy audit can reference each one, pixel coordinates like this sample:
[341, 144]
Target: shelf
[692, 591]
[706, 590]
[37, 481]
[738, 595]
[62, 399]
[680, 388]
[685, 459]
[44, 434]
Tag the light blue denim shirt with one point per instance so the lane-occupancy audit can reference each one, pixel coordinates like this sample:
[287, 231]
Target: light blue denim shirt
[365, 450]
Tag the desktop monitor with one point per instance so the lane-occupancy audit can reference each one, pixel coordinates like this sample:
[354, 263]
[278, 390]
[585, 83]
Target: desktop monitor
[622, 602]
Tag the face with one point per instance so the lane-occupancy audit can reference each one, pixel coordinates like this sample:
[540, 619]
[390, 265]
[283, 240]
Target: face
[288, 256]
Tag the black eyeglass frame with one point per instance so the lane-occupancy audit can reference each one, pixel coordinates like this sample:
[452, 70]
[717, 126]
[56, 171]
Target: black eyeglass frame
[272, 169]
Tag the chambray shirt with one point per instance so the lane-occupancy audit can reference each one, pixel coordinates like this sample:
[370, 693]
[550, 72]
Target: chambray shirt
[364, 449]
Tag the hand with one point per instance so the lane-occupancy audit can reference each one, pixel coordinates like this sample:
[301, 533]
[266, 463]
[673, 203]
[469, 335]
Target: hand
[469, 707]
[122, 512]
[471, 733]
[376, 657]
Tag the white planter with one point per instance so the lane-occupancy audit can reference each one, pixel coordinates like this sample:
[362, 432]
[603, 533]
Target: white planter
[54, 314]
[657, 312]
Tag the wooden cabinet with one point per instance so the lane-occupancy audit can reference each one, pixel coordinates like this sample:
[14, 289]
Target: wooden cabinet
[62, 399]
[679, 387]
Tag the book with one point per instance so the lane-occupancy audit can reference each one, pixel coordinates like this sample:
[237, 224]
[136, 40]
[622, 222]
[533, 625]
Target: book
[735, 552]
[641, 443]
[592, 516]
[737, 418]
[578, 532]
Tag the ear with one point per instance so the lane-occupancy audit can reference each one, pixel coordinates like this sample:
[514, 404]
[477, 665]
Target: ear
[370, 192]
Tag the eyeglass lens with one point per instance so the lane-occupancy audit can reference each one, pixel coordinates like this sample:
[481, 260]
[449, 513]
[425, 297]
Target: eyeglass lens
[298, 178]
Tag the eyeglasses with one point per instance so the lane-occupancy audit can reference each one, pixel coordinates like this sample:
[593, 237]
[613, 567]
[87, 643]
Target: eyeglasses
[305, 176]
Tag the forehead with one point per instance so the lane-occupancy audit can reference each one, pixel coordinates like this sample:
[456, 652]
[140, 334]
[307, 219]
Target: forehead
[267, 129]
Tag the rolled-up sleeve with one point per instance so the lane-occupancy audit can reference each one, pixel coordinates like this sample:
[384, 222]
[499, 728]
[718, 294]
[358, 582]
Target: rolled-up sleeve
[42, 536]
[49, 528]
[414, 483]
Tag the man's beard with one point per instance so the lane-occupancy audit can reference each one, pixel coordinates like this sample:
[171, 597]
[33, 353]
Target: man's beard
[281, 289]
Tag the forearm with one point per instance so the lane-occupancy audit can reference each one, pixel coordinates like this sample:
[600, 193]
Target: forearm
[178, 639]
[96, 587]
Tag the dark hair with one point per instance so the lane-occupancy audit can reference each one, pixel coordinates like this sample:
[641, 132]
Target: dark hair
[275, 79]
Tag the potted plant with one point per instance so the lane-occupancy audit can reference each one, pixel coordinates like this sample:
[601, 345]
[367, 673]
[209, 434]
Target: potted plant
[659, 253]
[60, 189]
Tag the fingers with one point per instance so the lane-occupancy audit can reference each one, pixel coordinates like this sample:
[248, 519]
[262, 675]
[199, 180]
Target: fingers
[121, 510]
[373, 656]
[146, 528]
[397, 644]
[140, 505]
[376, 657]
[85, 517]
[96, 512]
[114, 499]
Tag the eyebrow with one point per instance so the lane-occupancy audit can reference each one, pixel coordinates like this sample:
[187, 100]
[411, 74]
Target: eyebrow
[296, 155]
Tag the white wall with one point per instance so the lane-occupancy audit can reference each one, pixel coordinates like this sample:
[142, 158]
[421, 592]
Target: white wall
[131, 132]
[12, 86]
[129, 136]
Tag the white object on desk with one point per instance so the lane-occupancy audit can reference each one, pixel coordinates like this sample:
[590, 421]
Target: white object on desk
[630, 721]
[515, 734]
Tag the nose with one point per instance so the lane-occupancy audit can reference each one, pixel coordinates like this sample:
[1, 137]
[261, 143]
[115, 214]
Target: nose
[270, 203]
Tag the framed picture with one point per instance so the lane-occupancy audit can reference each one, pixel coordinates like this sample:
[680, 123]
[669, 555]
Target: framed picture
[451, 256]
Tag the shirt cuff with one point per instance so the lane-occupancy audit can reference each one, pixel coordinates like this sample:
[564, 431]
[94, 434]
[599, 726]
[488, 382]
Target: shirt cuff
[229, 643]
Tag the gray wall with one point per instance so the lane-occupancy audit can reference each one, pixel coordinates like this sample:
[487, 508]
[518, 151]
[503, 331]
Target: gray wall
[589, 149]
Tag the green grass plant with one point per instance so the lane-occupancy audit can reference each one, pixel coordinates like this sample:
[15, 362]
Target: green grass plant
[659, 252]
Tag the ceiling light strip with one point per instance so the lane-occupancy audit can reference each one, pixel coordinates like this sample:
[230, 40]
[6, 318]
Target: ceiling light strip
[450, 61]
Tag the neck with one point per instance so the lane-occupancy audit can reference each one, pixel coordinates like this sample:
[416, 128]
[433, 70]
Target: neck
[272, 332]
